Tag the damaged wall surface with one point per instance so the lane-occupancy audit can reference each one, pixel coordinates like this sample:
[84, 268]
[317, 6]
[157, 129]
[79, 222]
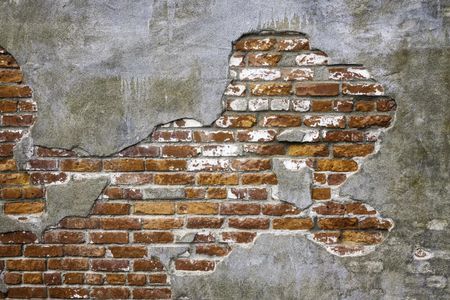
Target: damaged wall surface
[105, 74]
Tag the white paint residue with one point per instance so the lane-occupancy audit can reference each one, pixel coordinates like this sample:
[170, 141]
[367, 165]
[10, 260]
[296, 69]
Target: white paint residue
[235, 89]
[311, 59]
[189, 123]
[360, 72]
[258, 104]
[236, 60]
[223, 150]
[311, 136]
[259, 74]
[198, 164]
[301, 105]
[294, 164]
[261, 135]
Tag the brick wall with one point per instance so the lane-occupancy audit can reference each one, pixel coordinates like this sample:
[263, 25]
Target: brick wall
[212, 188]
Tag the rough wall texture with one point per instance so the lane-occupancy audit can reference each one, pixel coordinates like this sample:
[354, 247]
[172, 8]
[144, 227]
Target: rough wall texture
[404, 44]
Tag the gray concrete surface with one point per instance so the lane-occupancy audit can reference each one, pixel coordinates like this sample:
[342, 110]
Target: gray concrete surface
[105, 73]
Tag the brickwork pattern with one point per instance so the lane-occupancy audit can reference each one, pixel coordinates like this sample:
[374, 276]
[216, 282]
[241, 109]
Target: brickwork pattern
[207, 188]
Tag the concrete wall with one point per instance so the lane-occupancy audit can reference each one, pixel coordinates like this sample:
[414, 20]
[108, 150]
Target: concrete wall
[105, 73]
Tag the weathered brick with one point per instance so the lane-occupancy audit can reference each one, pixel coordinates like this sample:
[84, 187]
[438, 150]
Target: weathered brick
[10, 135]
[369, 89]
[259, 178]
[160, 237]
[18, 237]
[336, 179]
[163, 223]
[271, 89]
[362, 237]
[180, 151]
[343, 105]
[110, 265]
[321, 105]
[293, 44]
[26, 105]
[321, 193]
[352, 150]
[46, 178]
[119, 223]
[195, 193]
[135, 179]
[6, 150]
[137, 279]
[325, 121]
[386, 105]
[327, 237]
[213, 136]
[26, 264]
[213, 250]
[238, 237]
[336, 165]
[316, 89]
[84, 250]
[63, 237]
[116, 279]
[7, 165]
[46, 152]
[369, 121]
[8, 105]
[217, 178]
[74, 264]
[337, 223]
[253, 44]
[204, 222]
[174, 179]
[263, 59]
[154, 208]
[197, 208]
[249, 223]
[11, 193]
[52, 279]
[348, 73]
[15, 208]
[81, 165]
[128, 251]
[73, 278]
[15, 91]
[147, 265]
[105, 237]
[27, 292]
[43, 251]
[251, 164]
[172, 135]
[364, 105]
[42, 164]
[184, 264]
[281, 121]
[259, 74]
[111, 208]
[216, 193]
[110, 293]
[293, 223]
[165, 165]
[280, 209]
[375, 223]
[123, 165]
[33, 278]
[79, 223]
[239, 209]
[12, 278]
[68, 293]
[8, 61]
[312, 58]
[269, 150]
[308, 150]
[152, 293]
[236, 121]
[93, 279]
[343, 136]
[10, 250]
[140, 151]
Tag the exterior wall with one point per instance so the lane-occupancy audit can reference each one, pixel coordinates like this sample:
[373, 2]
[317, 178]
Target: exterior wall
[260, 204]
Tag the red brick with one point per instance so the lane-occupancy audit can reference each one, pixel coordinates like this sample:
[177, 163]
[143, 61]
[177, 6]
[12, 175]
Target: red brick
[81, 165]
[110, 293]
[239, 209]
[33, 278]
[204, 222]
[249, 223]
[179, 151]
[362, 89]
[110, 265]
[93, 279]
[46, 152]
[375, 223]
[317, 89]
[362, 237]
[321, 105]
[198, 208]
[263, 59]
[52, 279]
[262, 135]
[15, 91]
[253, 44]
[10, 250]
[8, 105]
[19, 237]
[27, 106]
[280, 209]
[343, 136]
[12, 278]
[148, 265]
[79, 223]
[68, 293]
[348, 73]
[46, 178]
[43, 251]
[213, 136]
[120, 223]
[213, 250]
[152, 293]
[204, 237]
[155, 208]
[128, 251]
[84, 250]
[239, 237]
[74, 278]
[25, 264]
[282, 121]
[105, 237]
[111, 208]
[27, 292]
[63, 237]
[257, 194]
[269, 150]
[11, 135]
[32, 192]
[156, 237]
[172, 136]
[343, 105]
[293, 44]
[140, 151]
[365, 105]
[325, 121]
[293, 223]
[7, 61]
[15, 208]
[184, 264]
[174, 179]
[320, 178]
[369, 121]
[217, 179]
[137, 279]
[352, 150]
[259, 178]
[123, 165]
[163, 223]
[386, 105]
[73, 264]
[165, 165]
[8, 165]
[6, 150]
[135, 179]
[336, 179]
[11, 193]
[216, 193]
[14, 178]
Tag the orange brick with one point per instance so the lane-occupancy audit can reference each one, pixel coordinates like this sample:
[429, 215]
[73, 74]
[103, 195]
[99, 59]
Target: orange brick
[15, 208]
[293, 223]
[259, 178]
[308, 150]
[154, 208]
[123, 165]
[81, 165]
[163, 223]
[352, 150]
[337, 165]
[217, 179]
[198, 208]
[174, 179]
[321, 193]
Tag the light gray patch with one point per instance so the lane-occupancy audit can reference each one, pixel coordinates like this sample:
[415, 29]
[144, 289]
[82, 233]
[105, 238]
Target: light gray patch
[291, 135]
[156, 192]
[293, 186]
[167, 254]
[8, 224]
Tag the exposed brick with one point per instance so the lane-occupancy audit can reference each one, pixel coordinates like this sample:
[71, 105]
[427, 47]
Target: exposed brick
[111, 208]
[120, 223]
[33, 192]
[369, 121]
[9, 135]
[321, 193]
[25, 264]
[68, 293]
[110, 293]
[46, 178]
[336, 179]
[249, 223]
[12, 278]
[213, 136]
[140, 151]
[73, 278]
[204, 222]
[204, 237]
[325, 121]
[352, 150]
[46, 152]
[348, 73]
[105, 237]
[251, 164]
[152, 293]
[63, 237]
[15, 208]
[33, 278]
[123, 165]
[84, 250]
[52, 279]
[362, 89]
[128, 251]
[133, 178]
[15, 91]
[337, 223]
[276, 149]
[257, 194]
[19, 237]
[217, 179]
[79, 223]
[27, 292]
[7, 165]
[195, 193]
[320, 178]
[362, 237]
[264, 135]
[43, 251]
[282, 121]
[197, 208]
[259, 178]
[312, 58]
[236, 121]
[239, 209]
[165, 165]
[74, 264]
[336, 165]
[6, 150]
[386, 105]
[375, 223]
[11, 193]
[161, 237]
[308, 150]
[137, 279]
[263, 59]
[7, 61]
[293, 223]
[238, 237]
[155, 208]
[110, 265]
[317, 89]
[271, 89]
[343, 136]
[179, 151]
[174, 179]
[163, 223]
[216, 193]
[148, 265]
[8, 105]
[280, 209]
[364, 105]
[14, 178]
[172, 136]
[343, 105]
[321, 105]
[213, 250]
[262, 44]
[10, 250]
[184, 264]
[93, 279]
[81, 165]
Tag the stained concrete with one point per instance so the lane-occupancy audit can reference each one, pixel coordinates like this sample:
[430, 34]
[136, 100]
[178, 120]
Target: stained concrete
[105, 73]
